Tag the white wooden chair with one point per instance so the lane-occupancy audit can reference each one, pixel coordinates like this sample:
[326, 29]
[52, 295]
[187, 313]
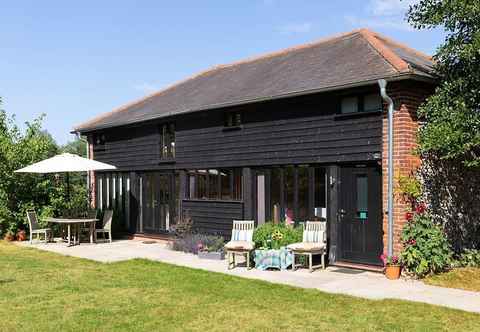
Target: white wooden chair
[241, 242]
[314, 243]
[106, 226]
[35, 227]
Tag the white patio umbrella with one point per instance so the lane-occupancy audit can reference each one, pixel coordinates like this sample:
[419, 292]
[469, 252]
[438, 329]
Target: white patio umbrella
[66, 163]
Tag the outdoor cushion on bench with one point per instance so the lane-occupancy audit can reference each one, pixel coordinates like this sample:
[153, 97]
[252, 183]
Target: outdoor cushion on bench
[307, 246]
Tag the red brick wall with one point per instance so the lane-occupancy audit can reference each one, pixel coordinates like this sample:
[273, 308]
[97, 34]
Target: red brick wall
[407, 97]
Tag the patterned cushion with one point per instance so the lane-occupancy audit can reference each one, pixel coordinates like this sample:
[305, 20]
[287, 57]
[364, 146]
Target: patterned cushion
[306, 246]
[241, 245]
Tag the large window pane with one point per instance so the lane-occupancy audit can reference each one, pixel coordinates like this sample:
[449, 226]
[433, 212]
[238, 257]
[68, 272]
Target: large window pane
[237, 184]
[202, 184]
[289, 192]
[226, 182]
[213, 184]
[222, 184]
[275, 198]
[320, 193]
[303, 211]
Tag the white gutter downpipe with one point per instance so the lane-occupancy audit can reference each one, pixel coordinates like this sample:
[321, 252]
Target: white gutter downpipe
[79, 137]
[383, 85]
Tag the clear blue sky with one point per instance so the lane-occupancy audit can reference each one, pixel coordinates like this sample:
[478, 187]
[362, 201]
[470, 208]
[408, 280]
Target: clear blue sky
[75, 59]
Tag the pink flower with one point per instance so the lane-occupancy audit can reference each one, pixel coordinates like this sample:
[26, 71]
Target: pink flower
[409, 216]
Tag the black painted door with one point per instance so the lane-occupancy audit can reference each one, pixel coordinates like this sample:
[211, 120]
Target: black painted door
[155, 202]
[360, 215]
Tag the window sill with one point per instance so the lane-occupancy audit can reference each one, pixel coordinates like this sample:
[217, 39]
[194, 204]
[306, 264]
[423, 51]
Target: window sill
[166, 161]
[356, 114]
[232, 128]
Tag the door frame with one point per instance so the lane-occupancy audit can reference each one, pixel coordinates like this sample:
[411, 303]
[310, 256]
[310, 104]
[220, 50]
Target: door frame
[170, 181]
[379, 213]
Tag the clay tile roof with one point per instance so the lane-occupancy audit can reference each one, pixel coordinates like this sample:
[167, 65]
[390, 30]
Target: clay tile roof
[359, 56]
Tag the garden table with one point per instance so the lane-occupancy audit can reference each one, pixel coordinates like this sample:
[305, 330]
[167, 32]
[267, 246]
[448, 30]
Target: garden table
[273, 258]
[76, 222]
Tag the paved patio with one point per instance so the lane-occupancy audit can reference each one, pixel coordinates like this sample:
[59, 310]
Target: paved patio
[333, 280]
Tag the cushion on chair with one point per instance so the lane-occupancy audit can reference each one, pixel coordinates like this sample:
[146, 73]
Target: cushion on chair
[306, 246]
[240, 245]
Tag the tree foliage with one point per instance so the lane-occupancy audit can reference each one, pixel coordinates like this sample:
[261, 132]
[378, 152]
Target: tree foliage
[452, 113]
[22, 191]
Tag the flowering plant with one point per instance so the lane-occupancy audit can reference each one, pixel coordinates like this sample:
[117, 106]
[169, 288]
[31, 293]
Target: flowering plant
[425, 246]
[389, 260]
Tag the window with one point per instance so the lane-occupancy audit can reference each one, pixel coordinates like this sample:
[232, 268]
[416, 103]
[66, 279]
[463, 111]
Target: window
[367, 103]
[214, 184]
[99, 141]
[296, 193]
[372, 102]
[167, 141]
[350, 105]
[362, 196]
[233, 119]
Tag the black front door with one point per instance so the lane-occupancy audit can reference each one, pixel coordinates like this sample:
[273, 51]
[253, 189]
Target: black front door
[155, 202]
[360, 215]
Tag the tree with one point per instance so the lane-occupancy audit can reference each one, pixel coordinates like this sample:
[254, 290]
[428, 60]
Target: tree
[21, 191]
[452, 113]
[449, 140]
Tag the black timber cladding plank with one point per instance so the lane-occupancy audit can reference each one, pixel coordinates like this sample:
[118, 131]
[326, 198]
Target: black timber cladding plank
[214, 217]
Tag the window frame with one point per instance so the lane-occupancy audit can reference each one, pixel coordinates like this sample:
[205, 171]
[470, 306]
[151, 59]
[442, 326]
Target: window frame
[166, 141]
[214, 188]
[233, 120]
[360, 104]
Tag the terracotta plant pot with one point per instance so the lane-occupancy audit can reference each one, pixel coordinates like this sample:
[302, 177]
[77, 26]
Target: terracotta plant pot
[392, 272]
[21, 236]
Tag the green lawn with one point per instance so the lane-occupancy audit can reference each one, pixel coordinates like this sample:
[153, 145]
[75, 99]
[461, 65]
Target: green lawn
[463, 278]
[45, 291]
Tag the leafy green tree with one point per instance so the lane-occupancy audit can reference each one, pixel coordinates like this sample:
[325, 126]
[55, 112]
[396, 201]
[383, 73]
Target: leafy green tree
[77, 146]
[449, 140]
[21, 191]
[452, 113]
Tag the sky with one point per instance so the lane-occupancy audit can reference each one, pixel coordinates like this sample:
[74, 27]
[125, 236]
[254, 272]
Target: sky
[73, 60]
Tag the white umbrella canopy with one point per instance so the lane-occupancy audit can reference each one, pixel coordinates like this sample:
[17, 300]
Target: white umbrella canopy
[66, 162]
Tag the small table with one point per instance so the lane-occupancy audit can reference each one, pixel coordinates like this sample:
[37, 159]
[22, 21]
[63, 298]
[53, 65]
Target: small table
[273, 258]
[76, 222]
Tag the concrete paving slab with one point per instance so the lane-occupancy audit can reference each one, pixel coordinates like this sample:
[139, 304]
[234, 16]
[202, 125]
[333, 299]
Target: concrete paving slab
[368, 285]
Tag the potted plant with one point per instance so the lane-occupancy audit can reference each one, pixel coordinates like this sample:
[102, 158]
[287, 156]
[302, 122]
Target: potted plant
[21, 235]
[392, 266]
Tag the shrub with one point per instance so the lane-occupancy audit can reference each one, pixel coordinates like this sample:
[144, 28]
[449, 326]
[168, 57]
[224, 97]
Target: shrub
[274, 236]
[426, 249]
[469, 258]
[192, 243]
